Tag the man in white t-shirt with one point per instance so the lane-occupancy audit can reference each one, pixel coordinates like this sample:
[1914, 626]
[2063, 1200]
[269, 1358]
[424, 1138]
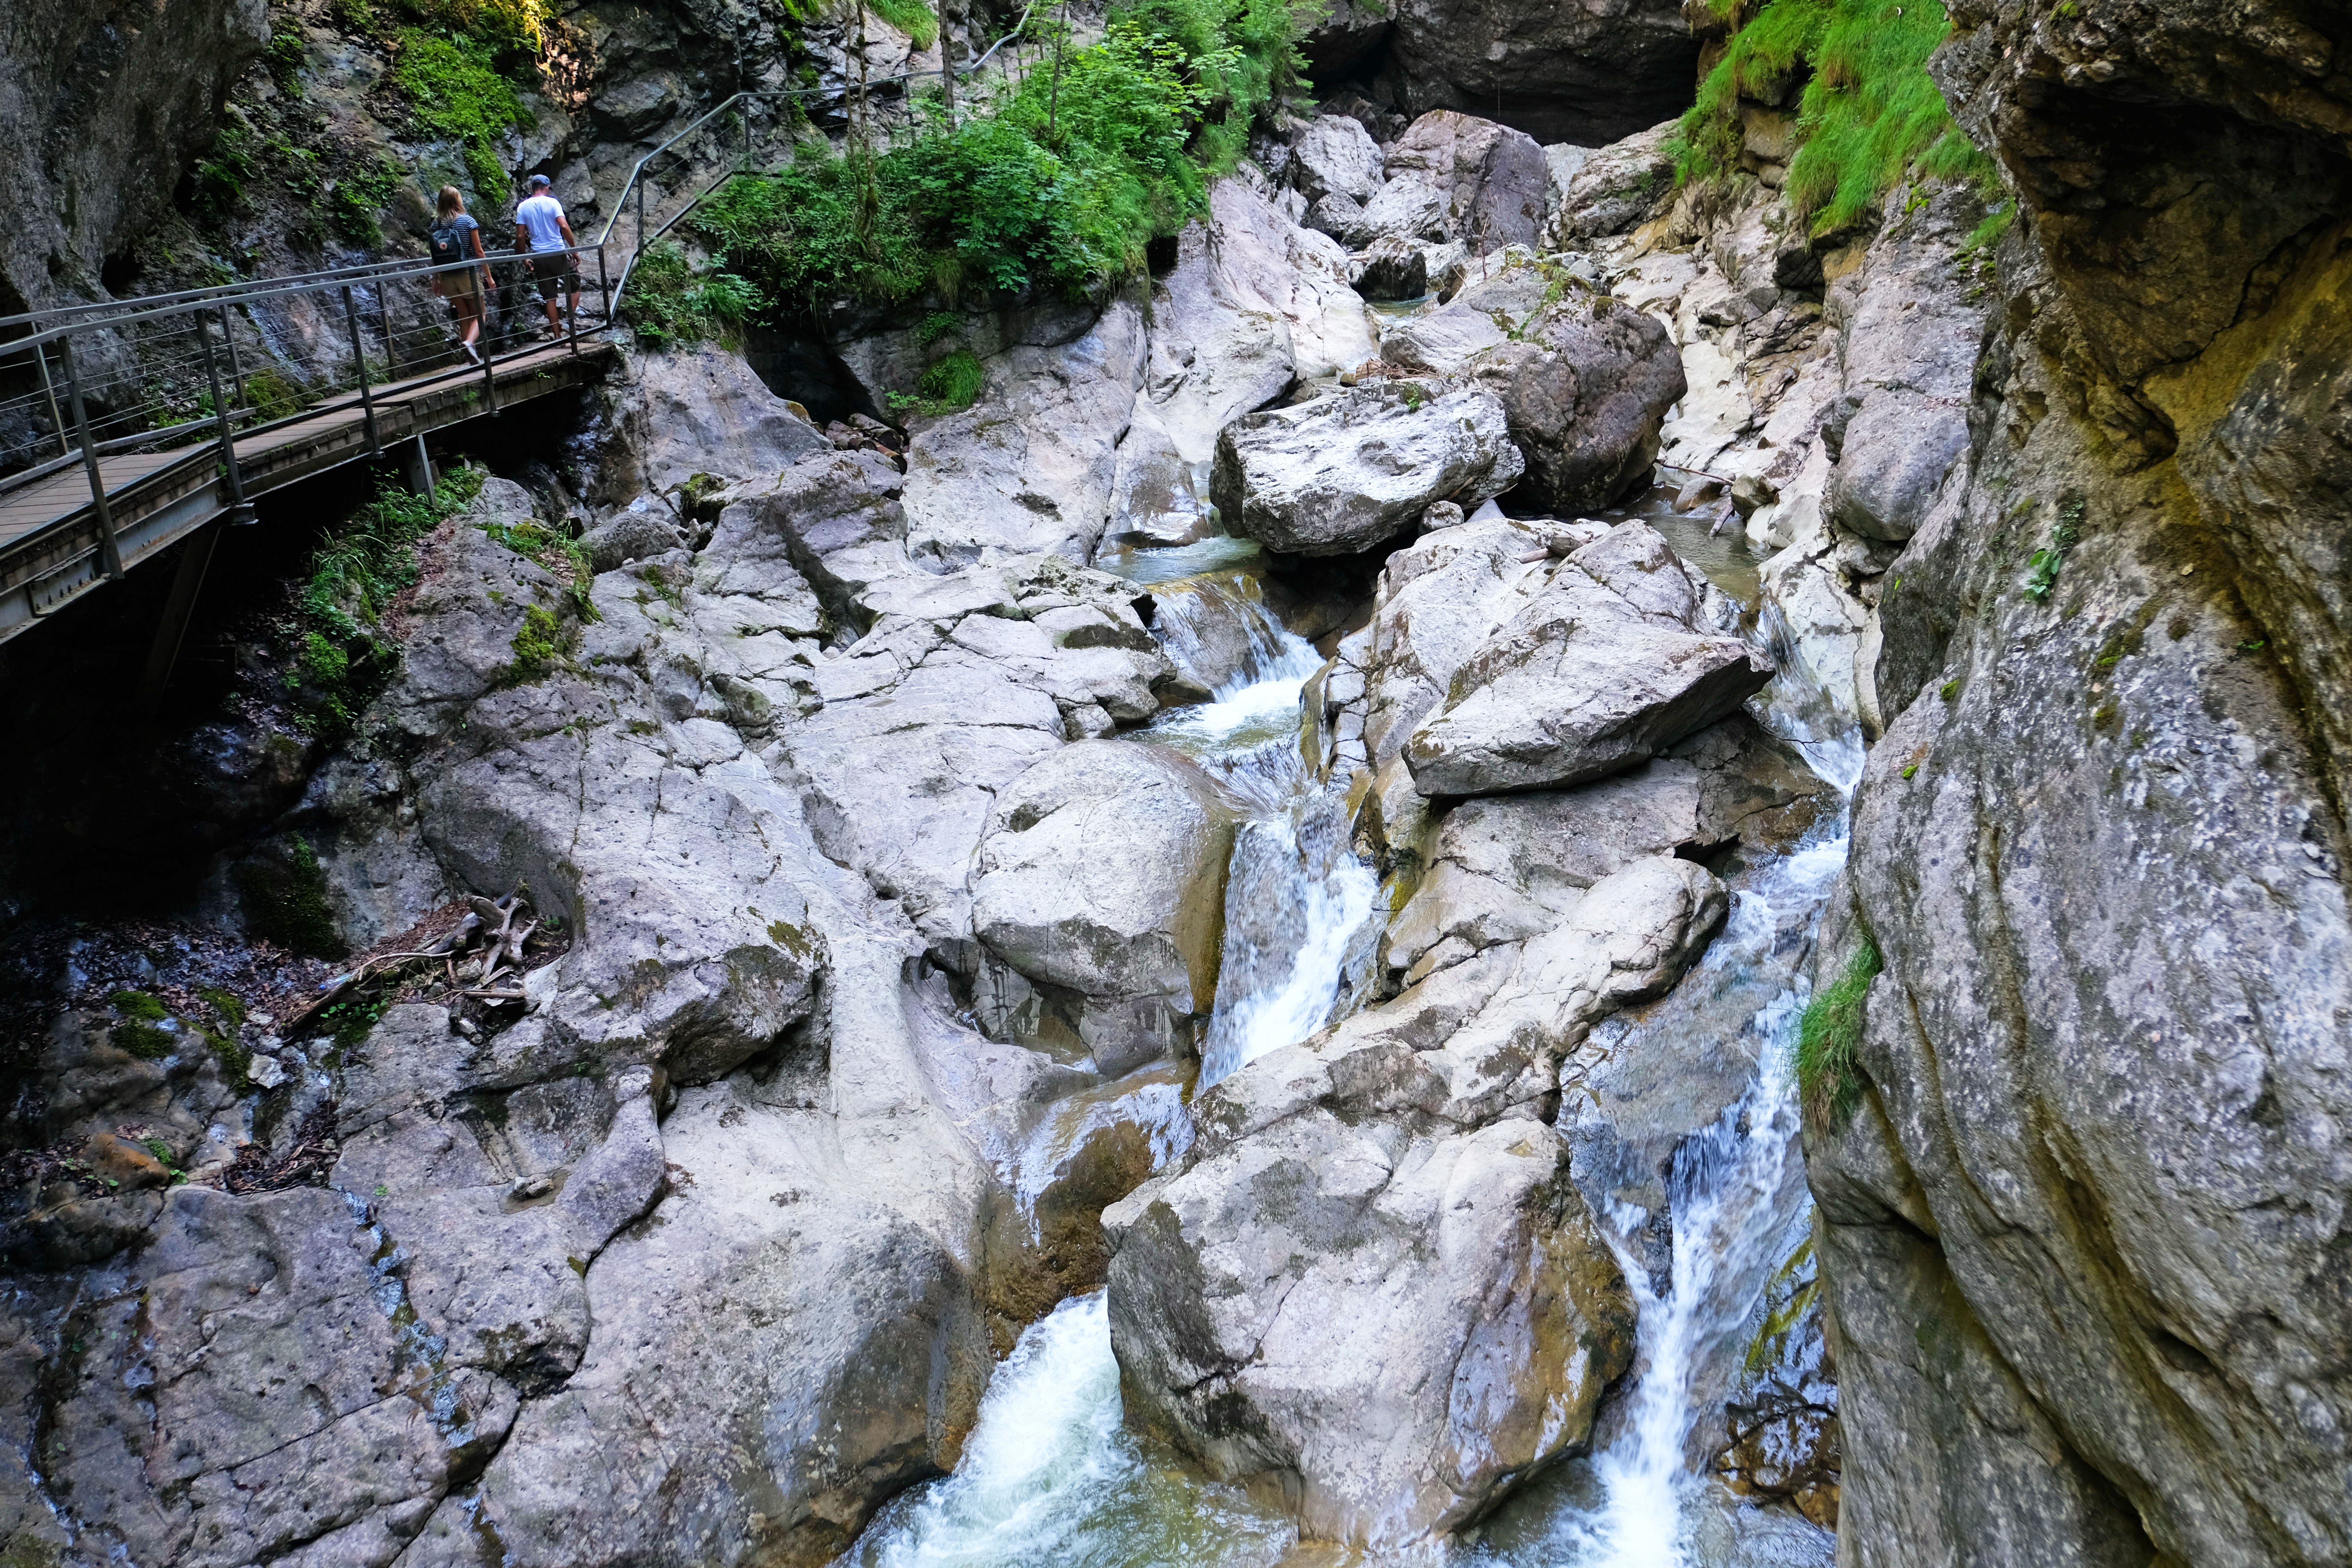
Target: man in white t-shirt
[542, 230]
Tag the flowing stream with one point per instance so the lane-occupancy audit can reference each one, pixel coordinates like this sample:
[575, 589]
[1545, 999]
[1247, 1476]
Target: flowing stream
[1050, 1479]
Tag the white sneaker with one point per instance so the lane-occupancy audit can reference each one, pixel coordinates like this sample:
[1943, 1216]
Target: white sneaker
[471, 353]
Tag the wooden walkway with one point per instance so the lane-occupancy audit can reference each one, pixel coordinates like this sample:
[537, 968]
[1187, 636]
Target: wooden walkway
[49, 535]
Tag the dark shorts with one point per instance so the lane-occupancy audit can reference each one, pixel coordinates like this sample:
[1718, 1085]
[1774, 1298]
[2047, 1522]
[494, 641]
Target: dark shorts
[555, 274]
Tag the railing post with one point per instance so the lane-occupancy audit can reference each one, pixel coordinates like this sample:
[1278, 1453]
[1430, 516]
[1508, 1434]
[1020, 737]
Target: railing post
[605, 283]
[108, 555]
[238, 512]
[236, 371]
[56, 419]
[359, 359]
[640, 255]
[489, 349]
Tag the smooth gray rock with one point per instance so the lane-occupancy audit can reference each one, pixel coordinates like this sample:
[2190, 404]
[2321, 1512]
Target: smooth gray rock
[1347, 472]
[1606, 662]
[1621, 186]
[1101, 871]
[1254, 303]
[701, 410]
[1585, 382]
[1334, 156]
[1490, 179]
[1372, 1250]
[1030, 466]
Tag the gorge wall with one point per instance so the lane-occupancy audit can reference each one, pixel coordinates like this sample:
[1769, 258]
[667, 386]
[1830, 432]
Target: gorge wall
[875, 966]
[2084, 1237]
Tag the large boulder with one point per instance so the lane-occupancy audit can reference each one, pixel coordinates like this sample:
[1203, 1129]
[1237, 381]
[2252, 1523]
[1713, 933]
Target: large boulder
[702, 411]
[1489, 180]
[1614, 189]
[1575, 73]
[1585, 380]
[1911, 330]
[1372, 1281]
[1334, 154]
[1100, 878]
[1030, 465]
[1345, 473]
[1605, 663]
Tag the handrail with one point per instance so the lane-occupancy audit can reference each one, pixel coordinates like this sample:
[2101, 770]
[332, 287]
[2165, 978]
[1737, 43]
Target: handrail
[637, 170]
[62, 320]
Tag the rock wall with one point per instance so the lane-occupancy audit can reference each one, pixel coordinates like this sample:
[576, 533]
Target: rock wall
[102, 106]
[2085, 1235]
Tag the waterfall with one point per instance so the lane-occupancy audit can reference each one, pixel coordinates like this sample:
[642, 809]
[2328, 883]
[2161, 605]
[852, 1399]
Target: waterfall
[1050, 1476]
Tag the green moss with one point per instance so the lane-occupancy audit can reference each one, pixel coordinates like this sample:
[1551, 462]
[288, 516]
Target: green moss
[229, 1007]
[286, 902]
[537, 645]
[222, 174]
[454, 88]
[1830, 1033]
[669, 303]
[1949, 689]
[145, 1041]
[1869, 117]
[139, 1004]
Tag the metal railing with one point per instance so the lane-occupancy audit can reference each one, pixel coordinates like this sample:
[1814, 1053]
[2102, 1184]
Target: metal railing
[194, 374]
[204, 370]
[743, 107]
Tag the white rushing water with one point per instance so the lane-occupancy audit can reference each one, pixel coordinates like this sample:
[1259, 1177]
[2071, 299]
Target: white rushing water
[1050, 1476]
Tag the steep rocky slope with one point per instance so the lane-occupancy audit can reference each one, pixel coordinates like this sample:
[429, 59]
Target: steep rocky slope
[2084, 1235]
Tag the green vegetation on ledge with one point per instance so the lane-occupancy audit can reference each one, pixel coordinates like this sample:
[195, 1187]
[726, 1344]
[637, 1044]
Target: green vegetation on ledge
[342, 660]
[1870, 116]
[1828, 1075]
[1055, 185]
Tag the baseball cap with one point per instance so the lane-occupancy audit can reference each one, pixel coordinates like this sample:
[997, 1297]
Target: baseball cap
[539, 180]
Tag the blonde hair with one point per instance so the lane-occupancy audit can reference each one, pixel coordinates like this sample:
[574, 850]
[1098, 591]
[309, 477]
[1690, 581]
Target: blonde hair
[452, 200]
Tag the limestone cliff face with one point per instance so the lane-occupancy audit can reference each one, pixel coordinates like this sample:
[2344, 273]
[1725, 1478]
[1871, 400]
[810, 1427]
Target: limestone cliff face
[101, 107]
[2085, 1236]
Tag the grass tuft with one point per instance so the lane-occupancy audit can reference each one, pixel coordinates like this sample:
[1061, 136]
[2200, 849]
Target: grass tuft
[1828, 1074]
[1870, 116]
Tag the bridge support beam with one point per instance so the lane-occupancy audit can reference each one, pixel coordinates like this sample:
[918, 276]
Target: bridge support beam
[195, 559]
[416, 468]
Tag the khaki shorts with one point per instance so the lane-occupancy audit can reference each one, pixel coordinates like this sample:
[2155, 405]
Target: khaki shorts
[556, 272]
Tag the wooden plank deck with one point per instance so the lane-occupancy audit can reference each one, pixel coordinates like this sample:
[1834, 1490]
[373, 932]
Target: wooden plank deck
[48, 527]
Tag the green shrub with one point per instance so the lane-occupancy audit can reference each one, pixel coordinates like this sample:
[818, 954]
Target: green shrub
[339, 662]
[913, 17]
[669, 304]
[453, 87]
[1053, 186]
[1870, 116]
[222, 174]
[953, 385]
[1828, 1076]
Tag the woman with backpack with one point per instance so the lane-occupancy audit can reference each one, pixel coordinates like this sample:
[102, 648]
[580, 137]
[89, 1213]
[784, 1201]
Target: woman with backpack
[457, 236]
